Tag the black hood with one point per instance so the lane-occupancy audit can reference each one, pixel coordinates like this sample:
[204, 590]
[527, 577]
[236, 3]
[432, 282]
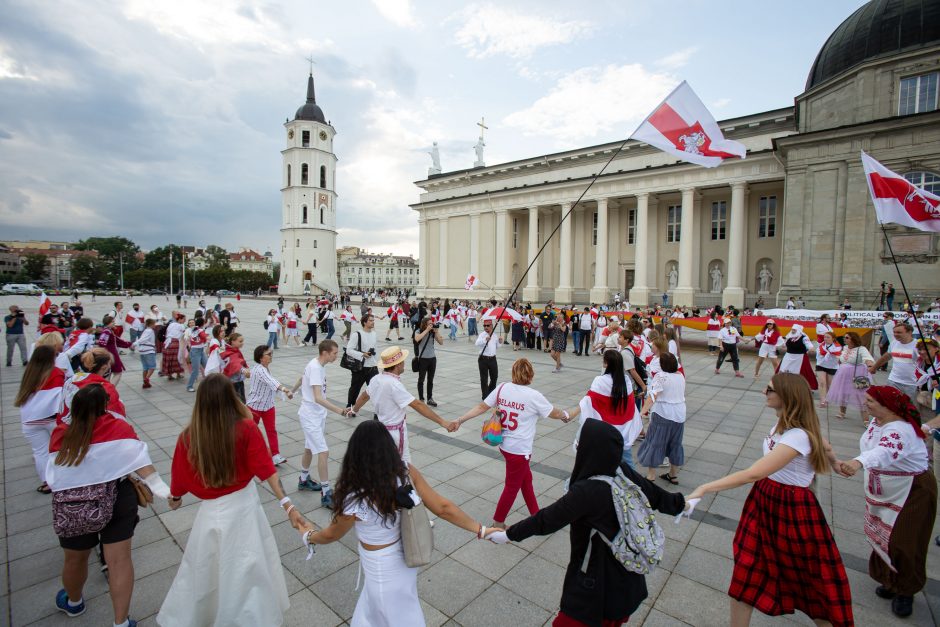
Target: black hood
[600, 447]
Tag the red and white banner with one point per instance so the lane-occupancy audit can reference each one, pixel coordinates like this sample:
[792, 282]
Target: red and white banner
[44, 402]
[899, 201]
[114, 451]
[683, 127]
[472, 282]
[44, 304]
[597, 404]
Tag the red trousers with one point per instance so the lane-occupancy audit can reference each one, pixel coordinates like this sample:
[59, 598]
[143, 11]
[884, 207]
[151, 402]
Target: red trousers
[518, 476]
[267, 416]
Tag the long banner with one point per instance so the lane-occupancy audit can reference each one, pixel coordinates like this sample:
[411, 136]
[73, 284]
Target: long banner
[858, 318]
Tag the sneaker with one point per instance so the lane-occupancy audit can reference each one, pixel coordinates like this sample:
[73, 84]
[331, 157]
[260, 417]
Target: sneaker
[62, 602]
[884, 593]
[327, 500]
[431, 402]
[902, 605]
[278, 459]
[190, 389]
[309, 484]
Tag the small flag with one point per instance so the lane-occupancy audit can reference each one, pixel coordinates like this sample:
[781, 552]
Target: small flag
[472, 281]
[44, 304]
[898, 200]
[683, 127]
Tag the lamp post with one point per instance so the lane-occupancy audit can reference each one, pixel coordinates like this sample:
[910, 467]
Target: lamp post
[171, 272]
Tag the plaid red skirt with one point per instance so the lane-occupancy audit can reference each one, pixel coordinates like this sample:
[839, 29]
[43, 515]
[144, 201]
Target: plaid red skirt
[785, 557]
[171, 362]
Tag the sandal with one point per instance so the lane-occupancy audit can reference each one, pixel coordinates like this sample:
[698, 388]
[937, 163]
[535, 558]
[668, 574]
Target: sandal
[840, 416]
[670, 478]
[44, 488]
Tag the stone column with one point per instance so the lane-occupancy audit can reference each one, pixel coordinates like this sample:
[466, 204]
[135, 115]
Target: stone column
[442, 254]
[502, 259]
[600, 289]
[640, 292]
[734, 291]
[422, 257]
[530, 293]
[564, 291]
[684, 294]
[474, 244]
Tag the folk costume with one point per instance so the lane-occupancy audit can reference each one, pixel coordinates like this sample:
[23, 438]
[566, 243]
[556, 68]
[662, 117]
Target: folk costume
[796, 359]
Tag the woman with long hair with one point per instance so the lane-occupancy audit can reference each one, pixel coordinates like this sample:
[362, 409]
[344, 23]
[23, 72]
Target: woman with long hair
[109, 340]
[611, 399]
[559, 339]
[852, 378]
[172, 364]
[90, 459]
[785, 557]
[424, 339]
[96, 370]
[39, 399]
[900, 496]
[373, 486]
[828, 351]
[231, 572]
[520, 406]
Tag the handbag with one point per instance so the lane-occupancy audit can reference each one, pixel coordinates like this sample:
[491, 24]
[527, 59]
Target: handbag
[492, 432]
[924, 397]
[87, 509]
[144, 493]
[349, 363]
[417, 537]
[414, 360]
[863, 382]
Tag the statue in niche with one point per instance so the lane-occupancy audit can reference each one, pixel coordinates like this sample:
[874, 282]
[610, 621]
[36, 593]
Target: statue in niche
[716, 279]
[765, 277]
[673, 277]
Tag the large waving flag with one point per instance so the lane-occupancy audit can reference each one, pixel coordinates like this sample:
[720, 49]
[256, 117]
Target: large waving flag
[898, 200]
[472, 282]
[44, 304]
[683, 127]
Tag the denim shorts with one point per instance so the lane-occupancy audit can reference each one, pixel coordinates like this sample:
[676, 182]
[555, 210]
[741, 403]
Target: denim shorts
[148, 361]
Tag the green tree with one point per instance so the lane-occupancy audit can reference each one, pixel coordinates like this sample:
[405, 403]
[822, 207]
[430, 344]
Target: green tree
[112, 250]
[90, 271]
[159, 258]
[34, 265]
[276, 278]
[218, 256]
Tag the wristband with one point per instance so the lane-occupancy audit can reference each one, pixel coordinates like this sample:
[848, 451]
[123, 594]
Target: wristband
[482, 532]
[157, 485]
[175, 498]
[567, 417]
[289, 509]
[285, 501]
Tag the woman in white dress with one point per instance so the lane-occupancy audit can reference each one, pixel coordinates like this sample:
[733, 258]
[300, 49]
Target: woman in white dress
[373, 485]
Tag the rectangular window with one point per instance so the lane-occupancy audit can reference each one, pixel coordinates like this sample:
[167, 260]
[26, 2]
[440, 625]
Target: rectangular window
[631, 226]
[673, 223]
[314, 243]
[719, 219]
[767, 224]
[594, 230]
[305, 139]
[918, 94]
[515, 232]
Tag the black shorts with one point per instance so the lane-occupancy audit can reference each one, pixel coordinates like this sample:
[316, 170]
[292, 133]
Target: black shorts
[830, 371]
[393, 324]
[119, 528]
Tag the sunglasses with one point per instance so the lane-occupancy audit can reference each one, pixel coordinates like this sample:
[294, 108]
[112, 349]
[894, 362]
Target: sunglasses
[768, 390]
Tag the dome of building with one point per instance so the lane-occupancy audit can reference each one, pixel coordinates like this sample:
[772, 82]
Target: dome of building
[310, 110]
[879, 28]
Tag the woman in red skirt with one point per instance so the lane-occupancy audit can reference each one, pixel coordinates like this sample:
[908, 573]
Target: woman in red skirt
[785, 558]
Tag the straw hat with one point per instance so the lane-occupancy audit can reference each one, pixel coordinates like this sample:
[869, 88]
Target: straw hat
[392, 356]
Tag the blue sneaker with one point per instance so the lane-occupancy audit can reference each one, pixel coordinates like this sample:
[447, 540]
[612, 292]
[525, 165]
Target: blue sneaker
[62, 602]
[131, 622]
[309, 484]
[327, 500]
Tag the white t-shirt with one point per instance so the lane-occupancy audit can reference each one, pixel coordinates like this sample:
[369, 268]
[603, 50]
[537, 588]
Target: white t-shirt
[274, 324]
[902, 362]
[389, 398]
[370, 526]
[314, 374]
[586, 322]
[523, 406]
[668, 392]
[799, 471]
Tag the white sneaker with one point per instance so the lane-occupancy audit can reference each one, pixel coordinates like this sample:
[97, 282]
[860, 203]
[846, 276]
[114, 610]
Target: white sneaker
[278, 459]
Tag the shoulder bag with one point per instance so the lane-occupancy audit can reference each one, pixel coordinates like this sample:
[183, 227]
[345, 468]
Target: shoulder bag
[862, 382]
[144, 493]
[417, 537]
[349, 363]
[414, 360]
[492, 432]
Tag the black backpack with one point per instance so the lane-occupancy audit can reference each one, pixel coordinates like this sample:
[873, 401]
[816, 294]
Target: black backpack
[639, 365]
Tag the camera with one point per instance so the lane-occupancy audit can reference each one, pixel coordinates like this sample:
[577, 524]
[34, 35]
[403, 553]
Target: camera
[436, 325]
[20, 314]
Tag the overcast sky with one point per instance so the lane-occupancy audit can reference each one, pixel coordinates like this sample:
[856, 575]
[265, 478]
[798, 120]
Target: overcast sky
[162, 120]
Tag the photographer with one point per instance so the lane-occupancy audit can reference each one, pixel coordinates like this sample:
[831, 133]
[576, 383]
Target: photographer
[424, 339]
[16, 335]
[361, 346]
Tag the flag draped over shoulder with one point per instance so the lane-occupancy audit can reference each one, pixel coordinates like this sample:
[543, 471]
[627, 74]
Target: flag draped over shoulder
[682, 126]
[899, 201]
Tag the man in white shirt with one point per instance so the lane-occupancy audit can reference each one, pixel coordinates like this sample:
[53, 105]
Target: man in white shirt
[903, 354]
[137, 326]
[313, 410]
[390, 400]
[586, 327]
[361, 347]
[486, 362]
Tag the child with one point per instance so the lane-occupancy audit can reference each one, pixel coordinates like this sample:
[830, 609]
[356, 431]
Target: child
[665, 399]
[145, 345]
[235, 367]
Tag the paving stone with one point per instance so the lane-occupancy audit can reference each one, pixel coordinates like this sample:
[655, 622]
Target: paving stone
[497, 605]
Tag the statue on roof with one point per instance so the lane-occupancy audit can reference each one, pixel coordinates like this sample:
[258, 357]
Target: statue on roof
[435, 160]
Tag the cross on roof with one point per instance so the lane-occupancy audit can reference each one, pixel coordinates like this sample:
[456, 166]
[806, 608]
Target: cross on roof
[312, 62]
[483, 126]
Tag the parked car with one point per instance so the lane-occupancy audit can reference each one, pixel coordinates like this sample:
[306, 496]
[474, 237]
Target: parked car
[157, 292]
[21, 288]
[225, 293]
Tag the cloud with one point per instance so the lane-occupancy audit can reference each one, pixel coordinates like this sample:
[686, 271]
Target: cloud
[677, 59]
[398, 12]
[594, 101]
[489, 30]
[721, 103]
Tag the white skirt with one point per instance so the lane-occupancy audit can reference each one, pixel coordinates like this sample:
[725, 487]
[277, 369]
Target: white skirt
[231, 572]
[390, 593]
[792, 363]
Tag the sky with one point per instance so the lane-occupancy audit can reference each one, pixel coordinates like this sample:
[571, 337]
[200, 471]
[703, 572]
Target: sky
[163, 121]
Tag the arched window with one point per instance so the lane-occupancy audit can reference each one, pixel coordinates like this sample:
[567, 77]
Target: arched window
[321, 216]
[298, 242]
[303, 173]
[927, 181]
[323, 176]
[303, 215]
[288, 175]
[314, 263]
[297, 263]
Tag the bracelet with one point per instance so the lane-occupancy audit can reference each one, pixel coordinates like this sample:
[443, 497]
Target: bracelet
[567, 417]
[284, 501]
[482, 532]
[290, 509]
[176, 498]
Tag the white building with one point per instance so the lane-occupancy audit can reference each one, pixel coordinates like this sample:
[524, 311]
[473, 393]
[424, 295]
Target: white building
[308, 202]
[376, 271]
[248, 259]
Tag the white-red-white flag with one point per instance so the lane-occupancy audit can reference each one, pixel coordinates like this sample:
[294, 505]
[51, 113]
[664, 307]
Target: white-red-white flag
[683, 127]
[472, 282]
[44, 303]
[898, 200]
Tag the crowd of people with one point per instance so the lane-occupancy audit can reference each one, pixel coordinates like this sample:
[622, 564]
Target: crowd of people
[88, 456]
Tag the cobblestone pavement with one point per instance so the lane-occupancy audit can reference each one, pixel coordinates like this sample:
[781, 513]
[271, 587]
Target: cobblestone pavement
[469, 583]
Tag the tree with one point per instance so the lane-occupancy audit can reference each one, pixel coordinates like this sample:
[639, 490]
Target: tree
[34, 265]
[90, 271]
[159, 258]
[112, 250]
[276, 274]
[218, 256]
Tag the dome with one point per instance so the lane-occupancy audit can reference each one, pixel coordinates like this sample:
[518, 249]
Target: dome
[878, 29]
[310, 110]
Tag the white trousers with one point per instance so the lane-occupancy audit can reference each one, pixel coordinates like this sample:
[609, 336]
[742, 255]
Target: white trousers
[38, 435]
[390, 593]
